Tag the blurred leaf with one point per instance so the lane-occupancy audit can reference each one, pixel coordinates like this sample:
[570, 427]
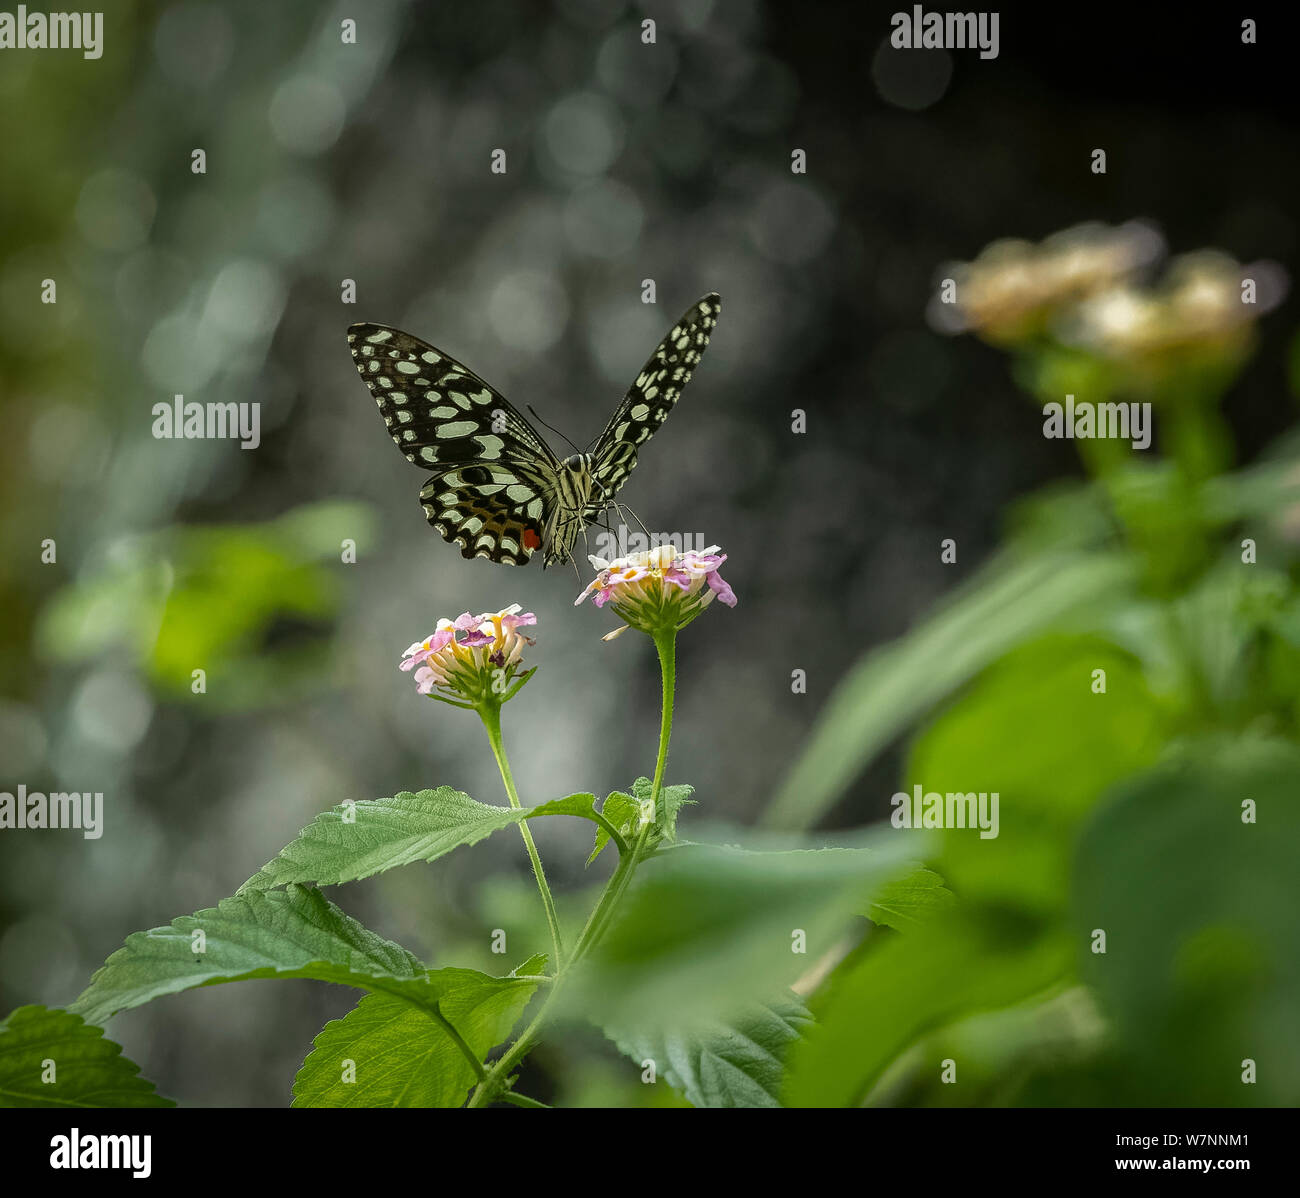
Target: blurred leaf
[1002, 1055]
[911, 901]
[89, 1068]
[1202, 919]
[402, 1058]
[893, 686]
[903, 986]
[1262, 489]
[1205, 650]
[368, 837]
[705, 928]
[738, 1063]
[1032, 730]
[251, 605]
[1063, 515]
[293, 933]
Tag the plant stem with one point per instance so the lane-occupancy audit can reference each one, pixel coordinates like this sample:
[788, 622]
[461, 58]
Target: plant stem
[490, 713]
[522, 1100]
[610, 897]
[487, 1087]
[666, 644]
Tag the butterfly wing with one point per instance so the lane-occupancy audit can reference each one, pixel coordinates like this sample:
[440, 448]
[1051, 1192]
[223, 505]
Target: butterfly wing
[492, 474]
[650, 398]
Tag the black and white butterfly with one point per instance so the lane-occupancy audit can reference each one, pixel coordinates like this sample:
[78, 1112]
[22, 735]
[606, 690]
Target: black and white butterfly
[497, 490]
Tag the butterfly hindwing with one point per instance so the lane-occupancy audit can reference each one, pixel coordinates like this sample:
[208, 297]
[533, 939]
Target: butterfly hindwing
[487, 511]
[490, 470]
[652, 396]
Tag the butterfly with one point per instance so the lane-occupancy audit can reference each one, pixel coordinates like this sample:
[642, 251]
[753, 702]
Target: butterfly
[496, 488]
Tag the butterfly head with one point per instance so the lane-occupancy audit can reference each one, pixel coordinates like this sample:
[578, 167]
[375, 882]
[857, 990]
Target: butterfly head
[575, 462]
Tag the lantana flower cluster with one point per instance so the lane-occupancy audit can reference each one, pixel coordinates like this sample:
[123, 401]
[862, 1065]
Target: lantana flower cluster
[660, 590]
[473, 657]
[1012, 290]
[1087, 287]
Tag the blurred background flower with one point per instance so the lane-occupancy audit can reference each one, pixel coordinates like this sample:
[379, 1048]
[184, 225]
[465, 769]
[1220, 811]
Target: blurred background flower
[1014, 288]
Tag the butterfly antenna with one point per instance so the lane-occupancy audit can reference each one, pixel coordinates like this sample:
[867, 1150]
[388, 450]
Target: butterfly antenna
[552, 427]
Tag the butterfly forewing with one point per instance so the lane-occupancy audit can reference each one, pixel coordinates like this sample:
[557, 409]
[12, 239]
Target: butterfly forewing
[651, 397]
[491, 471]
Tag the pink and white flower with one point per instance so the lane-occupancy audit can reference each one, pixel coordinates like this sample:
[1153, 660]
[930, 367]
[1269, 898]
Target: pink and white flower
[660, 590]
[471, 657]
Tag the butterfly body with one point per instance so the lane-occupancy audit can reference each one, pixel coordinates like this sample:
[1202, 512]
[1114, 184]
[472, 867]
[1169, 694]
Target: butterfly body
[497, 490]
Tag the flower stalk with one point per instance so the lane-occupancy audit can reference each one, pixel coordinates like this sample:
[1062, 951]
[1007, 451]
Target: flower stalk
[490, 713]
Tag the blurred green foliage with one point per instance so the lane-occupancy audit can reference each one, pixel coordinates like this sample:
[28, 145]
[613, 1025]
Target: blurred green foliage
[1130, 936]
[253, 606]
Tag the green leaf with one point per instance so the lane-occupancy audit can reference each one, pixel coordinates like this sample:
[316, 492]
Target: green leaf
[356, 840]
[294, 933]
[1007, 939]
[535, 966]
[671, 800]
[1201, 912]
[623, 812]
[1262, 489]
[895, 685]
[1007, 734]
[400, 1058]
[704, 928]
[214, 594]
[737, 1063]
[911, 901]
[89, 1069]
[902, 987]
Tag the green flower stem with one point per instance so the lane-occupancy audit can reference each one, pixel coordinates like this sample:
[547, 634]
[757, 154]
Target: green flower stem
[666, 644]
[490, 713]
[610, 897]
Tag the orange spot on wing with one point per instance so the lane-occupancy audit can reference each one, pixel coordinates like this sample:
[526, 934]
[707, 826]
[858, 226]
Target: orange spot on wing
[531, 539]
